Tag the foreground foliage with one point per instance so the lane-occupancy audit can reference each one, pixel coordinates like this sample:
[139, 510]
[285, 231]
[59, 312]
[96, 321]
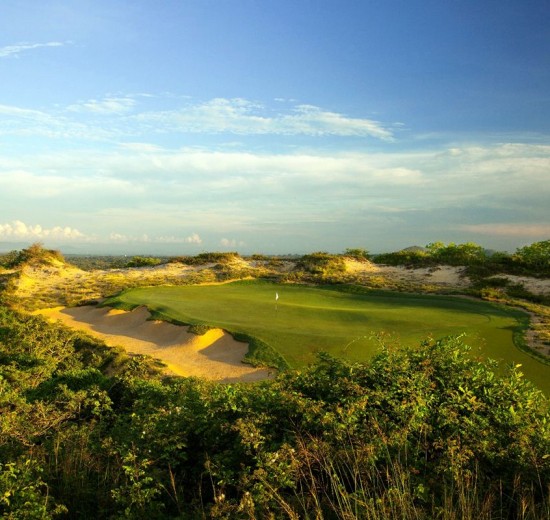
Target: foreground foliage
[427, 432]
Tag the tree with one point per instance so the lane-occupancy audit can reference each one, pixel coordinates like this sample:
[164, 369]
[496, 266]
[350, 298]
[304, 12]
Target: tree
[535, 256]
[457, 254]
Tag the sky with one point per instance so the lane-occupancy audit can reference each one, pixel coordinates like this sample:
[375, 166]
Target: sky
[275, 127]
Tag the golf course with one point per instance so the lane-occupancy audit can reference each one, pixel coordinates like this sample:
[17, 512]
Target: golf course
[298, 321]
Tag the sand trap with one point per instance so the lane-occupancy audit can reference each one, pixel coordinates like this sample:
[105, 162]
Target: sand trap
[215, 355]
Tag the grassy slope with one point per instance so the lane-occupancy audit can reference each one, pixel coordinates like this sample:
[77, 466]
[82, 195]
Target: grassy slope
[306, 320]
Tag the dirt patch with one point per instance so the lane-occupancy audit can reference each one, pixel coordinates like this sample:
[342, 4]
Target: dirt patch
[442, 276]
[215, 355]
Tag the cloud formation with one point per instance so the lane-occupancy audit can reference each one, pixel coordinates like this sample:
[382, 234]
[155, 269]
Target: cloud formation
[193, 239]
[231, 243]
[243, 117]
[226, 191]
[18, 230]
[18, 48]
[126, 162]
[108, 105]
[127, 117]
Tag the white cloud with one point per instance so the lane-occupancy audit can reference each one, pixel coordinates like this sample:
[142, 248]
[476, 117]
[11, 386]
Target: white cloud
[312, 120]
[189, 178]
[18, 48]
[18, 230]
[194, 239]
[54, 178]
[142, 186]
[123, 117]
[23, 122]
[8, 110]
[231, 243]
[118, 237]
[107, 105]
[243, 117]
[141, 147]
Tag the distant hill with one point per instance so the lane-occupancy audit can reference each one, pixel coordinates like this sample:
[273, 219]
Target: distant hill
[415, 249]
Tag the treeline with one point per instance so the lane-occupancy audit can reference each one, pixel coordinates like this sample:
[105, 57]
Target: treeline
[426, 432]
[533, 260]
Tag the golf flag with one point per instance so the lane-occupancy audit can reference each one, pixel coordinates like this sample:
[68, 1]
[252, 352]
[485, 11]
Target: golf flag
[276, 296]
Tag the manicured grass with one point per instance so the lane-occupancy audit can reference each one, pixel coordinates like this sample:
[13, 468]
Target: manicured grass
[344, 323]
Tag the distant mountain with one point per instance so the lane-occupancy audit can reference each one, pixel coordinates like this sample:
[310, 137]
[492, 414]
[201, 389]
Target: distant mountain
[415, 249]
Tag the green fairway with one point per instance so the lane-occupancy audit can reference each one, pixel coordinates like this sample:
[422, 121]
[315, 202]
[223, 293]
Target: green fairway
[306, 320]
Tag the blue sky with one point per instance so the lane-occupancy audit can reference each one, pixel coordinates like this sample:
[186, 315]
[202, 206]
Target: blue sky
[273, 126]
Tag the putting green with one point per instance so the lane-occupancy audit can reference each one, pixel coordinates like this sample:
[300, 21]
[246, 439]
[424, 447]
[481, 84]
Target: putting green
[305, 320]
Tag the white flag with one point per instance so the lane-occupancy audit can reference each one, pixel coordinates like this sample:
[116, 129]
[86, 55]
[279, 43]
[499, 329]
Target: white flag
[276, 296]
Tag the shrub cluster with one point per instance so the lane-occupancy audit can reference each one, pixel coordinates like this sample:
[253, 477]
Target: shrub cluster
[321, 264]
[208, 258]
[426, 432]
[34, 255]
[143, 261]
[533, 260]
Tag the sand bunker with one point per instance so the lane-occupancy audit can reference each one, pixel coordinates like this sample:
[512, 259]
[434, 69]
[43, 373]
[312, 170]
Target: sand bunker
[215, 355]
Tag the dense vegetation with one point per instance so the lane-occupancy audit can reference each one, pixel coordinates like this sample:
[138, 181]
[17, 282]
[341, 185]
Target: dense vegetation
[208, 258]
[424, 432]
[417, 432]
[34, 255]
[533, 260]
[143, 261]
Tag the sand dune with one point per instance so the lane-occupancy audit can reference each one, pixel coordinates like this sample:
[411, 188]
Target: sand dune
[215, 355]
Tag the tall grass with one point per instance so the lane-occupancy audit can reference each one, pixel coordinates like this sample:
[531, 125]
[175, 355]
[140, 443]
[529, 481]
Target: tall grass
[349, 484]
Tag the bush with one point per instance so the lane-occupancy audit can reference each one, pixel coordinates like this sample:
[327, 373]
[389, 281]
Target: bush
[141, 261]
[535, 257]
[35, 255]
[208, 258]
[357, 254]
[413, 258]
[321, 264]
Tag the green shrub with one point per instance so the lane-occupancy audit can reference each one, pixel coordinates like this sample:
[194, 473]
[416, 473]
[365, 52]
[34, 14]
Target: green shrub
[35, 255]
[143, 261]
[357, 254]
[23, 493]
[208, 258]
[321, 264]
